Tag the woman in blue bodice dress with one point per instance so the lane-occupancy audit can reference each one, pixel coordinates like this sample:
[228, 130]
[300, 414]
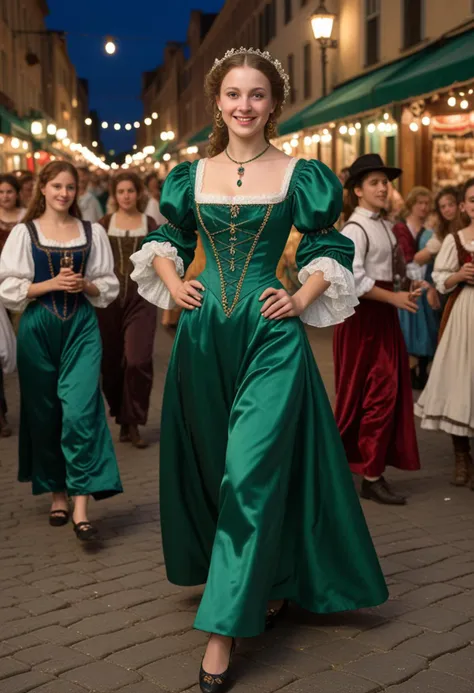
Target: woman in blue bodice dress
[257, 500]
[55, 268]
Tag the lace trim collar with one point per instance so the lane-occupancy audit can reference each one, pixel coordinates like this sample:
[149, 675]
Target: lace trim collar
[468, 245]
[76, 242]
[210, 198]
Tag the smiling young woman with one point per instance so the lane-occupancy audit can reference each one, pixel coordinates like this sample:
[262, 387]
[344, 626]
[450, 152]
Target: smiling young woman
[56, 268]
[257, 500]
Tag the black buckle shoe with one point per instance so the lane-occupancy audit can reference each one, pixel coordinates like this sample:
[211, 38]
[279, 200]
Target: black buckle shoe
[216, 683]
[380, 492]
[273, 615]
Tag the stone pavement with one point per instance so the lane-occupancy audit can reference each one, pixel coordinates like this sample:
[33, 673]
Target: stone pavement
[75, 618]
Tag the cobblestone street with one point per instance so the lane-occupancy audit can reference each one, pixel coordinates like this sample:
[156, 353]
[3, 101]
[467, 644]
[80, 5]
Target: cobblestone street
[76, 618]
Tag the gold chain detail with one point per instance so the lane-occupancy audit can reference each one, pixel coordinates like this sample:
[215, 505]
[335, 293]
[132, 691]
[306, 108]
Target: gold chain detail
[228, 310]
[64, 316]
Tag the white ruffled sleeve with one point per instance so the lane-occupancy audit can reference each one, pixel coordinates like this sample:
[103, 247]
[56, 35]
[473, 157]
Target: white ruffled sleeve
[7, 342]
[338, 301]
[150, 286]
[17, 269]
[363, 283]
[446, 264]
[100, 269]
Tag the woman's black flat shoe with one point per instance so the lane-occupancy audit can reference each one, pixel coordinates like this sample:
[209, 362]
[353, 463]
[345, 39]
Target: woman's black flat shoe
[84, 530]
[216, 683]
[274, 614]
[58, 518]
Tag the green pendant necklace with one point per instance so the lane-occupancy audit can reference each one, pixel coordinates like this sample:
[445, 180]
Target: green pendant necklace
[241, 169]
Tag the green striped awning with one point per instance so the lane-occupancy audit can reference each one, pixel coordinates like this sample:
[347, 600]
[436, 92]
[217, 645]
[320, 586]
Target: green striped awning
[438, 66]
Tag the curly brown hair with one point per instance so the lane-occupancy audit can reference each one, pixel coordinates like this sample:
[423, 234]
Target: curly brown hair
[37, 205]
[13, 183]
[219, 137]
[137, 183]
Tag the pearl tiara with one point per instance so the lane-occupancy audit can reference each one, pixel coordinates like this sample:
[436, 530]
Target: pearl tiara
[263, 54]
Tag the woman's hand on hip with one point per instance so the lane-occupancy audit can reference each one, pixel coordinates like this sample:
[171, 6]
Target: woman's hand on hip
[279, 304]
[187, 294]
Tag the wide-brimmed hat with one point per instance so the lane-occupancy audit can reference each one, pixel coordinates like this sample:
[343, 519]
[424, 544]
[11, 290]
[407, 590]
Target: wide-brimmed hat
[368, 163]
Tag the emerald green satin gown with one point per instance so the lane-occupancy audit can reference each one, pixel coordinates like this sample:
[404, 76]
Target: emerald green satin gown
[257, 500]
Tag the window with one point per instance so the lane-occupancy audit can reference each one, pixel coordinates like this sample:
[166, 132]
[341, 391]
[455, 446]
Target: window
[372, 31]
[261, 31]
[267, 13]
[412, 22]
[273, 19]
[307, 70]
[4, 71]
[291, 75]
[5, 11]
[288, 10]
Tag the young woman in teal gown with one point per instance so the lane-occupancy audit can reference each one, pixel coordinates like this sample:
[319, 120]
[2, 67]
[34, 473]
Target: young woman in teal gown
[257, 500]
[56, 268]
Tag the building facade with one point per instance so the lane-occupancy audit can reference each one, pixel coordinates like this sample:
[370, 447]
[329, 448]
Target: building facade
[370, 34]
[38, 84]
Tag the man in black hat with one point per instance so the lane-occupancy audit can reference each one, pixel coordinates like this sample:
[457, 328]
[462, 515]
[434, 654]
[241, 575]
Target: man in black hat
[374, 405]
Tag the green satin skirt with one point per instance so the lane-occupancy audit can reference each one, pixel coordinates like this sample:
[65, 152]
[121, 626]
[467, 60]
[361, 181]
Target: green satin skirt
[257, 500]
[65, 442]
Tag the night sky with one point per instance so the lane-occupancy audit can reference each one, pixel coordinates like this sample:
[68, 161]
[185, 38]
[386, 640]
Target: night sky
[115, 81]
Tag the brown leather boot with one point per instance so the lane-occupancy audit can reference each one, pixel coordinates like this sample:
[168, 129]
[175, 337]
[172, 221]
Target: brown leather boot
[135, 437]
[462, 469]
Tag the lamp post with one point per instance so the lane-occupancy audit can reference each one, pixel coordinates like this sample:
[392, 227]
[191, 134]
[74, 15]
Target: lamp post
[322, 23]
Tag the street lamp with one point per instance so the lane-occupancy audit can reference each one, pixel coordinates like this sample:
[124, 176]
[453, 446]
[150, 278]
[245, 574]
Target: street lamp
[322, 23]
[110, 46]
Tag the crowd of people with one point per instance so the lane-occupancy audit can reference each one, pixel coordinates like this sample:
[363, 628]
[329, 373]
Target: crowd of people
[257, 496]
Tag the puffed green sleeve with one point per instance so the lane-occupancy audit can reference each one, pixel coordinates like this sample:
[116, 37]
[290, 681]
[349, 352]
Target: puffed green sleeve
[175, 240]
[317, 204]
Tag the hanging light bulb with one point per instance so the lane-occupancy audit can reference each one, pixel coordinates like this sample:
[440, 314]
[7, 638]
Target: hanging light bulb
[352, 131]
[154, 115]
[358, 126]
[88, 121]
[316, 138]
[414, 127]
[308, 141]
[136, 124]
[371, 127]
[381, 127]
[166, 157]
[452, 101]
[128, 126]
[386, 116]
[294, 142]
[343, 129]
[426, 120]
[117, 126]
[464, 104]
[51, 129]
[147, 121]
[105, 125]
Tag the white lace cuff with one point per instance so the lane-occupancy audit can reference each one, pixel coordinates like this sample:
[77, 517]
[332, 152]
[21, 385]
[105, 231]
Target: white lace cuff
[14, 293]
[150, 285]
[109, 288]
[363, 285]
[338, 301]
[415, 272]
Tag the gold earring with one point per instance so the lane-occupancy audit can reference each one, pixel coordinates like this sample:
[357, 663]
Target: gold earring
[219, 119]
[271, 128]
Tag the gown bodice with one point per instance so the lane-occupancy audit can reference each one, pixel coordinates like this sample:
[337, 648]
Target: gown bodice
[48, 261]
[244, 237]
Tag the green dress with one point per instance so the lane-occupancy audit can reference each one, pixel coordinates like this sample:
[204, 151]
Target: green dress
[65, 442]
[257, 500]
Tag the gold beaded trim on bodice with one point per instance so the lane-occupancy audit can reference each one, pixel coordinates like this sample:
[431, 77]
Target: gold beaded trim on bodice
[233, 247]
